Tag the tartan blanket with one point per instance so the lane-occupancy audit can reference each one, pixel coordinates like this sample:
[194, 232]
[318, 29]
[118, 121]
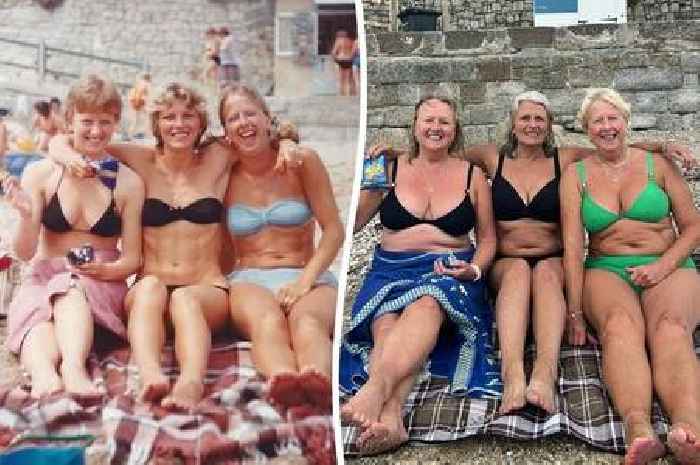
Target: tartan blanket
[584, 409]
[234, 424]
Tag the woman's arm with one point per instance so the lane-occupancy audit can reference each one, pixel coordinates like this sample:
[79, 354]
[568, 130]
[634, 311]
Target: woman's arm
[485, 223]
[367, 205]
[687, 219]
[27, 198]
[130, 193]
[227, 260]
[3, 139]
[136, 157]
[573, 238]
[669, 150]
[319, 193]
[482, 156]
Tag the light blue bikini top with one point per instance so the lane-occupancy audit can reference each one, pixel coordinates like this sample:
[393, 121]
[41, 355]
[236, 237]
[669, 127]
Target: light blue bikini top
[243, 219]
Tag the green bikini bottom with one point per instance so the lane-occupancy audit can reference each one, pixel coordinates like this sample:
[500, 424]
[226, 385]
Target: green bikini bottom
[618, 264]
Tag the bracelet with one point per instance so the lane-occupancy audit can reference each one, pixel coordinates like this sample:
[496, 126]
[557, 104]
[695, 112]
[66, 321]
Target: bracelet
[477, 271]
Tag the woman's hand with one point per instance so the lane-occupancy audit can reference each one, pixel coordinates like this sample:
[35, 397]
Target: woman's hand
[17, 198]
[458, 269]
[680, 153]
[289, 156]
[80, 167]
[576, 332]
[288, 294]
[95, 270]
[648, 275]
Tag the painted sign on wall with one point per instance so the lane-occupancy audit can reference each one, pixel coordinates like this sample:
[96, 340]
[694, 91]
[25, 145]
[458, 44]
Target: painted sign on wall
[556, 6]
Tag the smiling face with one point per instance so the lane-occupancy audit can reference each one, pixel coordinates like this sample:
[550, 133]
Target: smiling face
[92, 131]
[531, 123]
[179, 125]
[246, 124]
[435, 125]
[607, 127]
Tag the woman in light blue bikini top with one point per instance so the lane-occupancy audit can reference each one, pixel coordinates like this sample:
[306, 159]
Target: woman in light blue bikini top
[245, 219]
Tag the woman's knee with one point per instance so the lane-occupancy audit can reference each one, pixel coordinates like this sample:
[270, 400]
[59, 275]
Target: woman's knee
[667, 328]
[301, 323]
[148, 289]
[620, 325]
[547, 273]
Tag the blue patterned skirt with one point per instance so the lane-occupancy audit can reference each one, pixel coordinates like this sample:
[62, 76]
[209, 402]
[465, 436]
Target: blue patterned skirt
[463, 353]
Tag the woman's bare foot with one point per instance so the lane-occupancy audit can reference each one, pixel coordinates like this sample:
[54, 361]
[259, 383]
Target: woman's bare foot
[371, 440]
[154, 386]
[513, 391]
[643, 446]
[185, 395]
[77, 381]
[364, 408]
[317, 388]
[684, 443]
[542, 388]
[45, 383]
[388, 434]
[285, 390]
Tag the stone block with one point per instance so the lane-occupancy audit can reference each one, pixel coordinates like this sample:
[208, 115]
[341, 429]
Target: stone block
[472, 92]
[382, 95]
[397, 117]
[475, 134]
[399, 43]
[485, 114]
[494, 69]
[643, 121]
[408, 94]
[690, 62]
[531, 37]
[430, 70]
[684, 101]
[393, 70]
[647, 79]
[462, 69]
[586, 76]
[375, 117]
[565, 101]
[647, 102]
[461, 40]
[450, 90]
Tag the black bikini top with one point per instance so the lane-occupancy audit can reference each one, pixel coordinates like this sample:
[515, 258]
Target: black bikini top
[156, 213]
[109, 224]
[457, 222]
[509, 206]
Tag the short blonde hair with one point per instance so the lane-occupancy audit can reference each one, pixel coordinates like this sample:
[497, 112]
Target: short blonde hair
[176, 92]
[93, 93]
[606, 95]
[511, 143]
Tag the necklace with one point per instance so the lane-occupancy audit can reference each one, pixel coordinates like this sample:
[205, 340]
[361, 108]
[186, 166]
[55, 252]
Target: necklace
[615, 171]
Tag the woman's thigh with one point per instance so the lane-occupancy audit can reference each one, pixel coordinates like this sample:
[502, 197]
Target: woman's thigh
[213, 302]
[149, 289]
[319, 303]
[249, 303]
[677, 297]
[607, 296]
[514, 272]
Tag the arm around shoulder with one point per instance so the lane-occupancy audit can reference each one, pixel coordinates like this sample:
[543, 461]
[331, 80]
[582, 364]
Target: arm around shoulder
[131, 193]
[485, 222]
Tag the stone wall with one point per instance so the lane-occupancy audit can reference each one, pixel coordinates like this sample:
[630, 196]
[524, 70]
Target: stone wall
[167, 34]
[655, 66]
[486, 14]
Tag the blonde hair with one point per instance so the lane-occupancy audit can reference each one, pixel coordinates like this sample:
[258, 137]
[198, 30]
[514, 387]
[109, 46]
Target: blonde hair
[511, 142]
[253, 95]
[606, 95]
[93, 93]
[457, 143]
[176, 92]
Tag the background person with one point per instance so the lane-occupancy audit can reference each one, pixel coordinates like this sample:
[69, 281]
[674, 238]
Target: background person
[342, 53]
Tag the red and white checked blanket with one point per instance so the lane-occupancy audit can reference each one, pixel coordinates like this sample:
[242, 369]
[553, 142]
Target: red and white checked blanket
[234, 424]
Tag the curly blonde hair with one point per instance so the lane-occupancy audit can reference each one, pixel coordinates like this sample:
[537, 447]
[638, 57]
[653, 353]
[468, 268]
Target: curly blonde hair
[176, 92]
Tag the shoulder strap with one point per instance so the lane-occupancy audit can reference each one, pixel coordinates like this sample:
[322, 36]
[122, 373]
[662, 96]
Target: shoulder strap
[500, 164]
[581, 170]
[650, 166]
[469, 176]
[394, 168]
[60, 180]
[557, 167]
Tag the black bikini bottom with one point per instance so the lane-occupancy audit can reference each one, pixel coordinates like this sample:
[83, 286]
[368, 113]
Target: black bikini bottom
[532, 261]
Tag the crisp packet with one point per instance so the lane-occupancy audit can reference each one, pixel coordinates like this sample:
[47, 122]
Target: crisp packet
[374, 173]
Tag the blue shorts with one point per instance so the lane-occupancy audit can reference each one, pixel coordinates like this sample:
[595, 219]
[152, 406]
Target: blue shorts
[274, 278]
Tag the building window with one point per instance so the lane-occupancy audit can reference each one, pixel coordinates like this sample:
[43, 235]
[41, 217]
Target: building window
[332, 18]
[296, 34]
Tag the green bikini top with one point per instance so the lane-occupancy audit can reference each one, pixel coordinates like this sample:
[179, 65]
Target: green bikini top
[651, 205]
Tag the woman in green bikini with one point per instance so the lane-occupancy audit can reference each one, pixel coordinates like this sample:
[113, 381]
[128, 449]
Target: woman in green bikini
[628, 200]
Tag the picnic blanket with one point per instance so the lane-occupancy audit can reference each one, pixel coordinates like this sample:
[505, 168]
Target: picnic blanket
[234, 424]
[584, 409]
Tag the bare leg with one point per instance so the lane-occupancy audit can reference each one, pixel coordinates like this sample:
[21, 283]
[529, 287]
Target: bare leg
[419, 323]
[512, 278]
[672, 313]
[549, 310]
[146, 303]
[73, 327]
[617, 316]
[40, 357]
[257, 316]
[389, 432]
[195, 312]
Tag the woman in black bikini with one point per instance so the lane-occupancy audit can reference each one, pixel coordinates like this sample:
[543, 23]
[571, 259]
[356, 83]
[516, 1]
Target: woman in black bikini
[528, 266]
[424, 297]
